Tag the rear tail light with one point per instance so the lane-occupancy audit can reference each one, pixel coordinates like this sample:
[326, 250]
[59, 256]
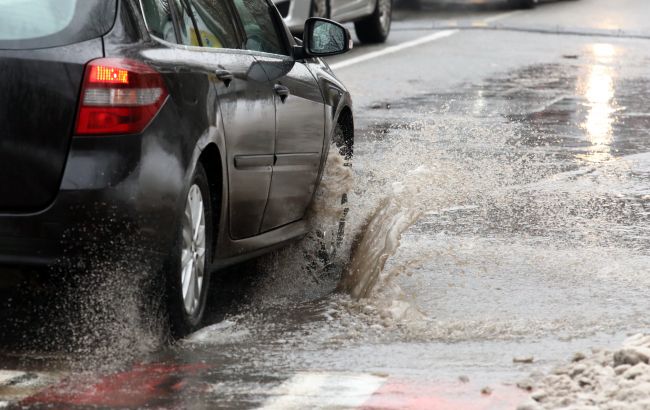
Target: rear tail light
[119, 96]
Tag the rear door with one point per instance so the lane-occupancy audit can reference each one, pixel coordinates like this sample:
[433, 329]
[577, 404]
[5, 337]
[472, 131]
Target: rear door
[247, 110]
[344, 7]
[300, 115]
[44, 46]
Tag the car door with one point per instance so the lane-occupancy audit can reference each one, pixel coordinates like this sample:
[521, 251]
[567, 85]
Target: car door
[300, 115]
[247, 112]
[340, 8]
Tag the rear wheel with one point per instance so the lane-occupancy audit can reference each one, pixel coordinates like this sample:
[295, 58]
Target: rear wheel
[188, 274]
[375, 28]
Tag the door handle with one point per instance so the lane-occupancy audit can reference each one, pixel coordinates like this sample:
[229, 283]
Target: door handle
[282, 91]
[225, 76]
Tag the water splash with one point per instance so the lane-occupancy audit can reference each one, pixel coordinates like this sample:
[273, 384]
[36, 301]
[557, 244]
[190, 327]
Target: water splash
[380, 237]
[309, 269]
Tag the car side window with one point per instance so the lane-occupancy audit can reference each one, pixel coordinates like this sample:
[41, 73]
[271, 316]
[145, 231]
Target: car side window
[216, 28]
[262, 33]
[186, 27]
[159, 19]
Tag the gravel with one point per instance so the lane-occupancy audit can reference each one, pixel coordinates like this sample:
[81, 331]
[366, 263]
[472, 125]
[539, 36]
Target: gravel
[608, 380]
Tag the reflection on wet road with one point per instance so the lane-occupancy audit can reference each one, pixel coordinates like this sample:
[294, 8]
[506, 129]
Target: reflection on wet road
[499, 217]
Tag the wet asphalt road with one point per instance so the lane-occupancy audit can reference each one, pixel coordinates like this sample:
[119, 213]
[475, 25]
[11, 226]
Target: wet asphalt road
[502, 172]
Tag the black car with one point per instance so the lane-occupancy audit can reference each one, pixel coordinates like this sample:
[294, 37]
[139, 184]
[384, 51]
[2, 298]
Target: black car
[191, 133]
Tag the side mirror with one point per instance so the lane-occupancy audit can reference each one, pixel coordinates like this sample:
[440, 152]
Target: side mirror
[324, 37]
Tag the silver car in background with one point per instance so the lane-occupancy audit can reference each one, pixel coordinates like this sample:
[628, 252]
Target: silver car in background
[372, 18]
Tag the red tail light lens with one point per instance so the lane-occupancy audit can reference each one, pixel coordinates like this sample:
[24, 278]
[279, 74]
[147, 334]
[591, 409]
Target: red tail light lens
[109, 75]
[119, 96]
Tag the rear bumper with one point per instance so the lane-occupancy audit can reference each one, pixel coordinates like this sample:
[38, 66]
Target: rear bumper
[119, 197]
[94, 224]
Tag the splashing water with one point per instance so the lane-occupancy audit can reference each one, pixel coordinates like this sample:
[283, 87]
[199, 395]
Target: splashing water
[380, 237]
[309, 269]
[105, 308]
[419, 181]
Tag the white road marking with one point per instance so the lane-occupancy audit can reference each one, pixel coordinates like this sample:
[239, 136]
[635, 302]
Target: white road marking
[6, 376]
[413, 43]
[394, 49]
[323, 391]
[17, 385]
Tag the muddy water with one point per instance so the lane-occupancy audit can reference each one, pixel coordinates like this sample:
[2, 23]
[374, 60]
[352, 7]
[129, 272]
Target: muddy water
[508, 217]
[525, 218]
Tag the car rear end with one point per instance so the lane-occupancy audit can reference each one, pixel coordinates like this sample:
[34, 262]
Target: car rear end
[73, 146]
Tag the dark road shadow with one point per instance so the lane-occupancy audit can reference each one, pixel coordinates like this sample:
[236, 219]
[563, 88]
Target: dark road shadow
[230, 289]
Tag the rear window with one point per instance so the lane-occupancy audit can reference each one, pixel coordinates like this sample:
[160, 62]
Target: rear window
[28, 24]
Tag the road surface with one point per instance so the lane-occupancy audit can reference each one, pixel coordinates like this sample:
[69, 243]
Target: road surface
[500, 211]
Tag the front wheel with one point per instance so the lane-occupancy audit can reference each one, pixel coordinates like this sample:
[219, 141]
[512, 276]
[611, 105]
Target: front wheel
[188, 274]
[375, 28]
[330, 208]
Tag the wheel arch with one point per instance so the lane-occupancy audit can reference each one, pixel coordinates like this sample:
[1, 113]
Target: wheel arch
[344, 117]
[346, 120]
[212, 161]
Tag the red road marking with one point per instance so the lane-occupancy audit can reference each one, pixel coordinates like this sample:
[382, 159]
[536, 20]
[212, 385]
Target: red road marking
[443, 396]
[137, 387]
[157, 385]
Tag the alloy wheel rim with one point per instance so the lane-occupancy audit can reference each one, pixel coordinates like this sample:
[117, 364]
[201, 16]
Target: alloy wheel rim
[384, 14]
[319, 8]
[193, 251]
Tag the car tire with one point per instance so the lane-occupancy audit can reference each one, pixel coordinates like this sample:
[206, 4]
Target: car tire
[345, 150]
[376, 27]
[523, 4]
[187, 272]
[332, 238]
[320, 8]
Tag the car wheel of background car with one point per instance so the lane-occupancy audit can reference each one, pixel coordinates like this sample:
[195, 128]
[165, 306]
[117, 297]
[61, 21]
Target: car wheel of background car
[523, 4]
[188, 274]
[375, 28]
[320, 8]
